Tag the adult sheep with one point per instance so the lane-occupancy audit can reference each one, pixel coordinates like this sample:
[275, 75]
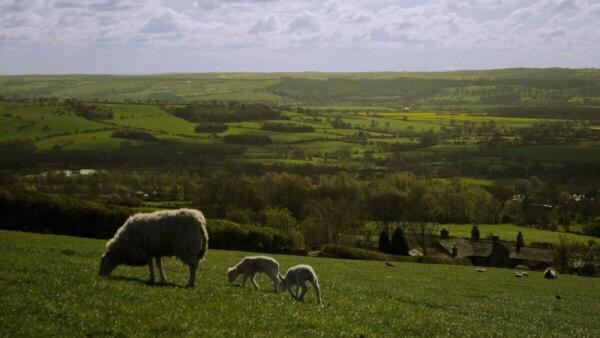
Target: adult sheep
[147, 236]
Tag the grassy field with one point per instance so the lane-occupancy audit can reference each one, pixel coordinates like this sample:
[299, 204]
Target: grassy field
[49, 287]
[51, 126]
[382, 115]
[348, 91]
[508, 232]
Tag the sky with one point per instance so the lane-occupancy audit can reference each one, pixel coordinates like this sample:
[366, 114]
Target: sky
[160, 36]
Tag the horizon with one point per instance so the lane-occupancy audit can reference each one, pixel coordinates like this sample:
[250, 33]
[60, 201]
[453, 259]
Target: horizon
[306, 72]
[271, 36]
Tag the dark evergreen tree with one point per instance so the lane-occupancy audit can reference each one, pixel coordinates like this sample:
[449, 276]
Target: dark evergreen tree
[399, 245]
[475, 233]
[384, 241]
[520, 242]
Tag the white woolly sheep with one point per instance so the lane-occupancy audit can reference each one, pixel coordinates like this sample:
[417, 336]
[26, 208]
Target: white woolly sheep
[298, 276]
[144, 236]
[250, 266]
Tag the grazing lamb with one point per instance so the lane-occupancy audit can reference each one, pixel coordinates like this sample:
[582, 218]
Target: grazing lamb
[250, 266]
[146, 236]
[550, 273]
[298, 276]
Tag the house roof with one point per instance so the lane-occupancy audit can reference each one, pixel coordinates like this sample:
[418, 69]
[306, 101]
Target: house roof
[483, 248]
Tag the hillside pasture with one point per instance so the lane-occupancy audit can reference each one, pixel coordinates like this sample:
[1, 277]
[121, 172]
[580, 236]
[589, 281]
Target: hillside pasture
[50, 287]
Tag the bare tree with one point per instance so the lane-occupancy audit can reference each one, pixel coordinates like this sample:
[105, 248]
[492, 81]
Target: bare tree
[425, 234]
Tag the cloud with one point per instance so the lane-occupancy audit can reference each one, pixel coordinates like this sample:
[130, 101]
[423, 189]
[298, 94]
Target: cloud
[345, 28]
[168, 22]
[263, 25]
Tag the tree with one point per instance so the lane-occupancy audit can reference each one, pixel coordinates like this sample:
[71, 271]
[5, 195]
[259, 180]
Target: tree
[425, 235]
[475, 235]
[399, 245]
[384, 241]
[520, 242]
[428, 139]
[565, 205]
[328, 220]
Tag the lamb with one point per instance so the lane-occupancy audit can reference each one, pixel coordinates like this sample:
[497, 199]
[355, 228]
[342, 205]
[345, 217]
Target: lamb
[550, 273]
[147, 236]
[250, 266]
[297, 276]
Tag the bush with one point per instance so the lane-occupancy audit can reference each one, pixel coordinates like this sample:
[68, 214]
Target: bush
[133, 134]
[209, 127]
[399, 245]
[231, 236]
[35, 212]
[89, 111]
[248, 139]
[574, 256]
[340, 251]
[226, 112]
[17, 146]
[592, 229]
[287, 127]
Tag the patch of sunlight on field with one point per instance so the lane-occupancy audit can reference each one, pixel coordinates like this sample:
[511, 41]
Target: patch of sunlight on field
[508, 232]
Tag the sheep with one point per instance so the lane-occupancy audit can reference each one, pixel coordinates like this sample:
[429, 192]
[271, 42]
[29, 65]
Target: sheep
[147, 236]
[550, 273]
[297, 276]
[480, 269]
[250, 266]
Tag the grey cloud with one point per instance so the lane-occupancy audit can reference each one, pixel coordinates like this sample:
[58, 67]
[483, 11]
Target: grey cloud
[302, 22]
[97, 5]
[263, 25]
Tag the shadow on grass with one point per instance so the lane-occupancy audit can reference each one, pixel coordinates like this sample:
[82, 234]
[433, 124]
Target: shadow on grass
[144, 281]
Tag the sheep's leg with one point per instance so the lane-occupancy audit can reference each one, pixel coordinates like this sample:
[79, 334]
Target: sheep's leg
[317, 288]
[275, 281]
[289, 287]
[161, 273]
[304, 288]
[254, 281]
[151, 268]
[192, 280]
[244, 281]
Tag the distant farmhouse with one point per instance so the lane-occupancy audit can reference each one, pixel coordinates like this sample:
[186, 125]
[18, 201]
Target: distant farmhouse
[495, 252]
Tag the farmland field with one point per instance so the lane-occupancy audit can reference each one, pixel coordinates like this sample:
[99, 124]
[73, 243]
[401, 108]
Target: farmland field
[382, 134]
[49, 287]
[508, 232]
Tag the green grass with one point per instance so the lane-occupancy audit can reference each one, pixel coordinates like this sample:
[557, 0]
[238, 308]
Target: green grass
[87, 141]
[31, 121]
[508, 232]
[49, 287]
[150, 117]
[50, 126]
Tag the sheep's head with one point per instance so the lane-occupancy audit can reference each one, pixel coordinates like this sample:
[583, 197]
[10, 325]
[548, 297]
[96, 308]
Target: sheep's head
[283, 283]
[232, 274]
[108, 263]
